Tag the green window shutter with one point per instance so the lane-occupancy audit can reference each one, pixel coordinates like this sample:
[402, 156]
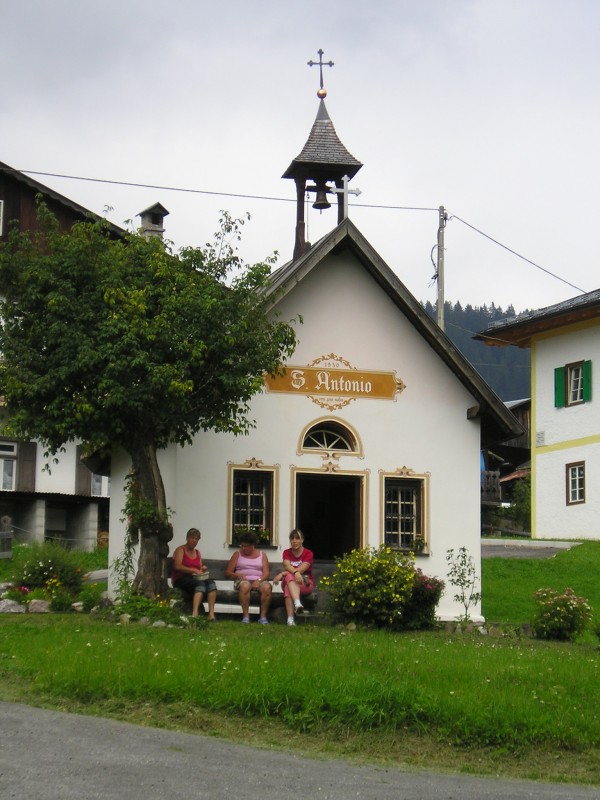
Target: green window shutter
[559, 387]
[587, 381]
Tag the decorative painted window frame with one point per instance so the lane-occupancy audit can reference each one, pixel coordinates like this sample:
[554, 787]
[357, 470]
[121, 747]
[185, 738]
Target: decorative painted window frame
[352, 435]
[575, 465]
[332, 468]
[424, 478]
[254, 464]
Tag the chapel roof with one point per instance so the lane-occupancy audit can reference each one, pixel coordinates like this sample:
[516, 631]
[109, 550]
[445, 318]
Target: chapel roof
[323, 150]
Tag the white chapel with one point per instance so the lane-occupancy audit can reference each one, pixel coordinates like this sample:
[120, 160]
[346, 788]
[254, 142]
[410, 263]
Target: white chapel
[372, 436]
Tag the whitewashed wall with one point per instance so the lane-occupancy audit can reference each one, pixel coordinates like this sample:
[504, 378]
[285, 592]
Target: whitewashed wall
[424, 429]
[565, 435]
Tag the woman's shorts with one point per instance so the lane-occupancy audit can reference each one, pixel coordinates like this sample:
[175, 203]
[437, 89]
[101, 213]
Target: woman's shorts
[188, 583]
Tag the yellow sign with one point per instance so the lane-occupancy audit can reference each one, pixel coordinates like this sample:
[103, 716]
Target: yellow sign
[332, 382]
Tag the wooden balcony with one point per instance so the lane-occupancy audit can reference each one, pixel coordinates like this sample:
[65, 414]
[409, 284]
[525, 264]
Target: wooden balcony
[490, 488]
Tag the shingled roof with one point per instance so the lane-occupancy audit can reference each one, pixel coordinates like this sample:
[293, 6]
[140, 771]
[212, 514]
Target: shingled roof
[323, 149]
[519, 330]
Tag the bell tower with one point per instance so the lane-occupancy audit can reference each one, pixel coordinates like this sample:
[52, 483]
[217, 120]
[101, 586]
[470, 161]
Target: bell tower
[325, 161]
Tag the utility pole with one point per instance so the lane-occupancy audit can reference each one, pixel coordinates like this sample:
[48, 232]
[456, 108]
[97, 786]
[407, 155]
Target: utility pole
[443, 218]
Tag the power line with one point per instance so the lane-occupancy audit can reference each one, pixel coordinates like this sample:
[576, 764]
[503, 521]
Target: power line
[150, 186]
[514, 252]
[159, 187]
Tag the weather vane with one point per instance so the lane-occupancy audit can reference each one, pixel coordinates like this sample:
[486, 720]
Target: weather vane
[320, 63]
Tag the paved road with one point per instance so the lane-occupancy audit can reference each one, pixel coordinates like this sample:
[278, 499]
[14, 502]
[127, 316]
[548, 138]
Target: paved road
[49, 755]
[523, 548]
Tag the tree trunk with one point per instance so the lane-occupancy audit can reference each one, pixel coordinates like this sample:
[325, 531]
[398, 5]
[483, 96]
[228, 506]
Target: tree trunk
[154, 528]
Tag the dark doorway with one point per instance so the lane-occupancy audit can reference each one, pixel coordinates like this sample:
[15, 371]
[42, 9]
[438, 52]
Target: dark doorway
[328, 513]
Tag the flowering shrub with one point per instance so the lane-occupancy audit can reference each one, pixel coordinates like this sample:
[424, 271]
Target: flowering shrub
[560, 616]
[419, 610]
[35, 566]
[19, 594]
[371, 586]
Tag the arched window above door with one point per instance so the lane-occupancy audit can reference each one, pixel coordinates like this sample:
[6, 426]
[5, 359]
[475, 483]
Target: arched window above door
[330, 436]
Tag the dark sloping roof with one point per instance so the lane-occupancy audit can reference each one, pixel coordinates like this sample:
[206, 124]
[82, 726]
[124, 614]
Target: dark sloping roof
[85, 213]
[497, 422]
[323, 149]
[519, 330]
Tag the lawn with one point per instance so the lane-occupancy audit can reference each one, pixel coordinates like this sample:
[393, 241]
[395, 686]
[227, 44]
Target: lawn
[509, 584]
[496, 704]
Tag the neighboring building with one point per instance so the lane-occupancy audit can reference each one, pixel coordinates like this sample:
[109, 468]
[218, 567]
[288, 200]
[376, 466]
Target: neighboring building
[372, 436]
[18, 204]
[40, 498]
[565, 413]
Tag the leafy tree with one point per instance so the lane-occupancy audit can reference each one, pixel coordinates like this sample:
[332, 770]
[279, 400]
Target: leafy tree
[123, 343]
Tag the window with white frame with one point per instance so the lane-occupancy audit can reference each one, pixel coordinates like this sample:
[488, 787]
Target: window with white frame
[404, 526]
[252, 504]
[575, 483]
[8, 466]
[1, 217]
[573, 384]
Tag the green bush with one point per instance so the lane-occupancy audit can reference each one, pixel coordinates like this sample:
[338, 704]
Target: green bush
[371, 586]
[40, 566]
[560, 616]
[419, 610]
[61, 601]
[138, 606]
[91, 595]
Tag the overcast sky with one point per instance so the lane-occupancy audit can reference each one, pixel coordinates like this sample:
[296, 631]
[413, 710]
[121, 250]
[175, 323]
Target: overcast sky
[490, 108]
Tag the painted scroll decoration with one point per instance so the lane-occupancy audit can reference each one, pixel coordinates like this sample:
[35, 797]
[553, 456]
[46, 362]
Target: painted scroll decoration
[332, 382]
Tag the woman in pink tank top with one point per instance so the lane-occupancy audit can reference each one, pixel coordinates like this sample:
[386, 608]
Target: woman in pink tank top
[249, 568]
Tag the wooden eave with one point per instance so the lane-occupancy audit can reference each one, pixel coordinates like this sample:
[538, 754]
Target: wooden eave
[37, 187]
[497, 422]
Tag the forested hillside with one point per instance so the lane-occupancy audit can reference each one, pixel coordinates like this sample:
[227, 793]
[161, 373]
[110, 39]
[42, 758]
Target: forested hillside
[506, 369]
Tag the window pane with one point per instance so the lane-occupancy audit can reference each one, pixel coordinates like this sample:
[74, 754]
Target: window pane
[252, 503]
[577, 483]
[8, 474]
[402, 513]
[96, 485]
[328, 437]
[575, 384]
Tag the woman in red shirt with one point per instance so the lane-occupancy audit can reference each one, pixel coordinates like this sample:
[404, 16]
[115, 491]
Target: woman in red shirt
[187, 568]
[296, 575]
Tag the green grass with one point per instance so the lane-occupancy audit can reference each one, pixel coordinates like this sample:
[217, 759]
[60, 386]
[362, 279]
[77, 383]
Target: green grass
[499, 698]
[87, 561]
[502, 705]
[509, 584]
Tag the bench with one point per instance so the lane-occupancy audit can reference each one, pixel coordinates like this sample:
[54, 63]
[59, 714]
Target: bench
[227, 597]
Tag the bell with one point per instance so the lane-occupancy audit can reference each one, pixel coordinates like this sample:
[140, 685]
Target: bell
[321, 201]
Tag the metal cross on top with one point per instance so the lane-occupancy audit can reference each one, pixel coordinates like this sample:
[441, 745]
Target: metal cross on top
[345, 191]
[320, 63]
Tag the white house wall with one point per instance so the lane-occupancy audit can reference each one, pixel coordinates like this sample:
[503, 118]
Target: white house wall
[425, 429]
[562, 436]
